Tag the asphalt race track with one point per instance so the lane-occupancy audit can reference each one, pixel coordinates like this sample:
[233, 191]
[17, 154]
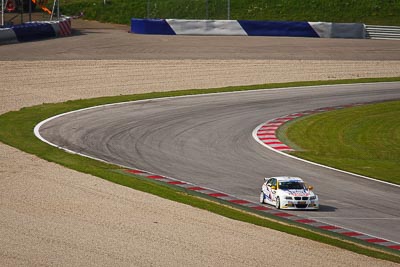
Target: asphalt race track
[207, 140]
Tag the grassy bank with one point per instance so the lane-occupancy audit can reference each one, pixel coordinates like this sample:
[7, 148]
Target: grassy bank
[17, 131]
[363, 140]
[121, 11]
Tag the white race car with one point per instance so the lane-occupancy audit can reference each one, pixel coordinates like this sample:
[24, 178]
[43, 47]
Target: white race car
[288, 193]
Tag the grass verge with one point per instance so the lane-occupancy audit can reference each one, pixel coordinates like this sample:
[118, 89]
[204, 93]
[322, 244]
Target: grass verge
[17, 131]
[121, 11]
[363, 140]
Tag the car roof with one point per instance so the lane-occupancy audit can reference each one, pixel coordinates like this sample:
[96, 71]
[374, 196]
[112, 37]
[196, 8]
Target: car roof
[287, 178]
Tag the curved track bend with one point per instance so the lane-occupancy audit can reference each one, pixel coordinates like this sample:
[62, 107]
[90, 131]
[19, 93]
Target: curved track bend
[207, 140]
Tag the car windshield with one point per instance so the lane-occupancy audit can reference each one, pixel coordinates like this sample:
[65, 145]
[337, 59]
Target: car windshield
[291, 185]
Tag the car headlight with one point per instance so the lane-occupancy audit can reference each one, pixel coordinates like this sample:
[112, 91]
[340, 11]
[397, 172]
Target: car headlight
[313, 197]
[289, 198]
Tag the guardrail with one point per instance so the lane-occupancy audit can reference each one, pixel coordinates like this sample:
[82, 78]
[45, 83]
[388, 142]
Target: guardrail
[382, 32]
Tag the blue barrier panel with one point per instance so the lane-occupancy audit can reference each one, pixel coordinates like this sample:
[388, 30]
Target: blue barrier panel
[151, 26]
[33, 31]
[278, 28]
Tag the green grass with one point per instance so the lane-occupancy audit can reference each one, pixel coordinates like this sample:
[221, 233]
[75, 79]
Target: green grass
[121, 11]
[363, 140]
[17, 130]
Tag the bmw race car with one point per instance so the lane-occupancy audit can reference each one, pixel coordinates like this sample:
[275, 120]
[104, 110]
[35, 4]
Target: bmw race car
[288, 193]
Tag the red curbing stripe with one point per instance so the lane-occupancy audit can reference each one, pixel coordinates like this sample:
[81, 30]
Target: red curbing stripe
[281, 147]
[280, 120]
[155, 177]
[270, 139]
[306, 221]
[269, 127]
[297, 114]
[260, 208]
[266, 136]
[176, 182]
[267, 133]
[134, 171]
[283, 214]
[196, 188]
[351, 234]
[329, 227]
[239, 201]
[217, 195]
[397, 247]
[289, 117]
[375, 240]
[272, 143]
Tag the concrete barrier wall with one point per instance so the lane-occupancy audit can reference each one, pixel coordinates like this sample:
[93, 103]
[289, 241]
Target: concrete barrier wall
[248, 27]
[35, 30]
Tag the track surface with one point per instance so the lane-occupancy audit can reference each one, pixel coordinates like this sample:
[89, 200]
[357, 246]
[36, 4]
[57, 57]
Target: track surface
[207, 140]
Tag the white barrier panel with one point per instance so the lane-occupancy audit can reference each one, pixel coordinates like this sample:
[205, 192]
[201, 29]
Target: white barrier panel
[323, 29]
[206, 27]
[339, 30]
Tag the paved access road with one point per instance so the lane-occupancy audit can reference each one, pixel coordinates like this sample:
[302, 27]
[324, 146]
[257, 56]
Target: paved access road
[207, 140]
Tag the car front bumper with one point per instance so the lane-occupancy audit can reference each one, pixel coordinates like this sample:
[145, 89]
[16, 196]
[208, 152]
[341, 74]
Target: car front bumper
[300, 204]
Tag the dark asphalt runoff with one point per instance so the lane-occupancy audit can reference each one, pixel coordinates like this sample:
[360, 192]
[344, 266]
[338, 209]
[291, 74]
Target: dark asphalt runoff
[207, 140]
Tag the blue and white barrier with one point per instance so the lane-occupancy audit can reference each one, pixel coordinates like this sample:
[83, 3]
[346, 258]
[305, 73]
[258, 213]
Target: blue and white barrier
[248, 27]
[36, 30]
[33, 31]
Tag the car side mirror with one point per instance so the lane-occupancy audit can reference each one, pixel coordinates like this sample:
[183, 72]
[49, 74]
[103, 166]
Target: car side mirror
[273, 187]
[310, 187]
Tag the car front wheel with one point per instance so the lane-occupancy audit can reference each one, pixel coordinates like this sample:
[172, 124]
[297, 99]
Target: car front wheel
[278, 203]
